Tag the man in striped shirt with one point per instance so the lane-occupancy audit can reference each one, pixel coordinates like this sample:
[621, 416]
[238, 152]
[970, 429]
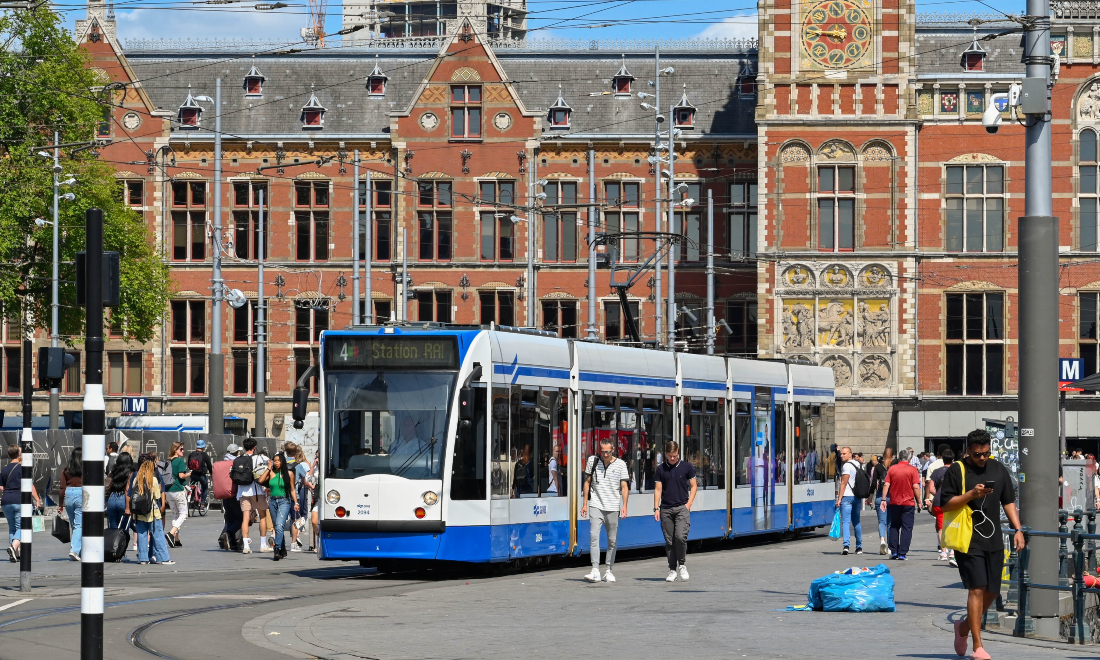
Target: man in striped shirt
[608, 481]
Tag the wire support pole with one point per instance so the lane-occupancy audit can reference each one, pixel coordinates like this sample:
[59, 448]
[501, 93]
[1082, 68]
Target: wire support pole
[55, 402]
[261, 329]
[356, 219]
[217, 360]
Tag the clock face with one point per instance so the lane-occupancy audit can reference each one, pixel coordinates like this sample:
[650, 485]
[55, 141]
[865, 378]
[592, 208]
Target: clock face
[836, 34]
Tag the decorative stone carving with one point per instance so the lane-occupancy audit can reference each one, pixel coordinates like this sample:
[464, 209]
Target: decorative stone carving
[874, 372]
[874, 323]
[835, 323]
[874, 276]
[794, 153]
[798, 324]
[1088, 104]
[837, 150]
[502, 121]
[1082, 46]
[429, 121]
[836, 276]
[842, 369]
[466, 74]
[974, 285]
[975, 158]
[924, 103]
[876, 152]
[798, 277]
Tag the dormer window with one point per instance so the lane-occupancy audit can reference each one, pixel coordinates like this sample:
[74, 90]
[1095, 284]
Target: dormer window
[376, 81]
[254, 82]
[746, 83]
[973, 58]
[189, 113]
[559, 112]
[623, 79]
[683, 113]
[313, 114]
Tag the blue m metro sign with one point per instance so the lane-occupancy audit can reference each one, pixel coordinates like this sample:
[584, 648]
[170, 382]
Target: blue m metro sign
[1070, 369]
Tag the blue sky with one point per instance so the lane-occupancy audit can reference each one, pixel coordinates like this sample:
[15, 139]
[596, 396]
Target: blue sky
[586, 19]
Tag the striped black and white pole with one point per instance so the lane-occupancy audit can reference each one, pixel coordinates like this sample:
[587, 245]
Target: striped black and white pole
[91, 547]
[26, 469]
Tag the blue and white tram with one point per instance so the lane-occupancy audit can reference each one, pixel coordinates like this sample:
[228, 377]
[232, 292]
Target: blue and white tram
[468, 444]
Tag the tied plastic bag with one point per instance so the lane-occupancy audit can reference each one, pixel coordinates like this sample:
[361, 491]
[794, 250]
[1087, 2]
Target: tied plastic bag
[854, 590]
[834, 531]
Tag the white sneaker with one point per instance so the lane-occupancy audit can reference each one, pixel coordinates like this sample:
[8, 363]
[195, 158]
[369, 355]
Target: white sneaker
[593, 575]
[74, 556]
[168, 563]
[295, 547]
[882, 546]
[247, 550]
[683, 572]
[671, 576]
[608, 577]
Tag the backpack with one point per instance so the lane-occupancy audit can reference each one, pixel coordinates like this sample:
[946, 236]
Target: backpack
[195, 462]
[241, 472]
[141, 504]
[223, 483]
[862, 486]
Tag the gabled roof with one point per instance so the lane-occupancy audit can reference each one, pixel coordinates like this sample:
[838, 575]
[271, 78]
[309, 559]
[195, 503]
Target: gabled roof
[560, 104]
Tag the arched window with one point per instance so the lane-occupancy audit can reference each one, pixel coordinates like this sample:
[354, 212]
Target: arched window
[1087, 189]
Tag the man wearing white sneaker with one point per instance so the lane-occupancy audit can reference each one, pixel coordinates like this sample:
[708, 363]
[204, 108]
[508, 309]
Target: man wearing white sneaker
[673, 494]
[607, 480]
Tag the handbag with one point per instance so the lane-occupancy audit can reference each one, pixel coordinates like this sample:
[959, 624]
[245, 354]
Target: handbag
[958, 525]
[61, 529]
[834, 531]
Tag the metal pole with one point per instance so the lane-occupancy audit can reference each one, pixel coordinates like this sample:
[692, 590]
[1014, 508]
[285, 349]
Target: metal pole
[216, 361]
[1038, 350]
[593, 334]
[1062, 429]
[355, 243]
[672, 249]
[404, 274]
[55, 404]
[659, 215]
[531, 241]
[91, 549]
[26, 469]
[261, 331]
[710, 272]
[369, 249]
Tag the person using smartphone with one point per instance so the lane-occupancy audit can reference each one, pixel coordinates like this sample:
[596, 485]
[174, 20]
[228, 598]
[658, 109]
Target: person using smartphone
[990, 488]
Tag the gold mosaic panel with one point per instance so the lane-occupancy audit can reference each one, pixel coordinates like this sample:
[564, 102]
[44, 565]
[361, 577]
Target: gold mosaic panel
[1082, 46]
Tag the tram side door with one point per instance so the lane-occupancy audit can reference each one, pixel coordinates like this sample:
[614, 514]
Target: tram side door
[763, 489]
[500, 470]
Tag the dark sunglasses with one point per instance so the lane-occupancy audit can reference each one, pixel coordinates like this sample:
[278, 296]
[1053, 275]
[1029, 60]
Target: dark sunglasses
[606, 453]
[982, 454]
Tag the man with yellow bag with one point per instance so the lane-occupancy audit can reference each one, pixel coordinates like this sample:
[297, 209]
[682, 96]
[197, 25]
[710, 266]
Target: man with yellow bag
[971, 496]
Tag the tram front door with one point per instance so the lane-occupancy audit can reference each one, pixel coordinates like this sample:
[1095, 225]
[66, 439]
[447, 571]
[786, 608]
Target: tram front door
[763, 489]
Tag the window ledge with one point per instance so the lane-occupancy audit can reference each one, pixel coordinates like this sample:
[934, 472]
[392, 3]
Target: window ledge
[461, 139]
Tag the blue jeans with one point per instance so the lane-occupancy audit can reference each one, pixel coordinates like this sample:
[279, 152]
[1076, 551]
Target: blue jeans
[849, 517]
[280, 511]
[74, 506]
[116, 509]
[881, 516]
[156, 529]
[14, 514]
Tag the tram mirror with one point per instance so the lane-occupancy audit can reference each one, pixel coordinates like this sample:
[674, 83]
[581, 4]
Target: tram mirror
[466, 405]
[301, 400]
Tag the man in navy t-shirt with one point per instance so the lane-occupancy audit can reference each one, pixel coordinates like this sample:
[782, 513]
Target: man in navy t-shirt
[672, 498]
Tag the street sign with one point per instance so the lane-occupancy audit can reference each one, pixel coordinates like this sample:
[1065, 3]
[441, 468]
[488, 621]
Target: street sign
[1069, 370]
[135, 405]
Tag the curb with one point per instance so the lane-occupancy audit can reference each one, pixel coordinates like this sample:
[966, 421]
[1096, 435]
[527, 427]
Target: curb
[947, 624]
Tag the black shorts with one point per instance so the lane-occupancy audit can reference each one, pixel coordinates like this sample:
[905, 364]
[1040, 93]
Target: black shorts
[981, 569]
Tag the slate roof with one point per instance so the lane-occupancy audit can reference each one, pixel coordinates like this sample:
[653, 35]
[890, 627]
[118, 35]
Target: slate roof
[339, 81]
[940, 47]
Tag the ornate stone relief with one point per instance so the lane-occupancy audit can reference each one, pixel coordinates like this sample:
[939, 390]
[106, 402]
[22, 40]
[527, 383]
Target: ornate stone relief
[1088, 104]
[924, 103]
[837, 150]
[975, 158]
[798, 276]
[876, 152]
[874, 372]
[794, 153]
[842, 369]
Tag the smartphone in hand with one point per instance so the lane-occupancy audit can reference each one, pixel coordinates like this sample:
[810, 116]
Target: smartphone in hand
[990, 484]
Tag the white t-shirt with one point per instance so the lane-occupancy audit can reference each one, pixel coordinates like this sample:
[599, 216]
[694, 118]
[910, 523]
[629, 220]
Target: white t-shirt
[553, 473]
[849, 469]
[253, 488]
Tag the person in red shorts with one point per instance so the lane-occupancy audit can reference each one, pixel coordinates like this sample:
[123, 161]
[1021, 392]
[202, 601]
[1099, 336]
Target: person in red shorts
[932, 501]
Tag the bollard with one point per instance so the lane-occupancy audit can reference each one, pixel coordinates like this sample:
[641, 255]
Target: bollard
[1012, 600]
[1080, 633]
[1063, 550]
[1091, 545]
[1024, 626]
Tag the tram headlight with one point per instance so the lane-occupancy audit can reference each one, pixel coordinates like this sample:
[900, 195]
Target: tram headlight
[333, 497]
[430, 497]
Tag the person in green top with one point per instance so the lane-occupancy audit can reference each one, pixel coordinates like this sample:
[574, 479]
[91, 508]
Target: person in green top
[177, 493]
[280, 481]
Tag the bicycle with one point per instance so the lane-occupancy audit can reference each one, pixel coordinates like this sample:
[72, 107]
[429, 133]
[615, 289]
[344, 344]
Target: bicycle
[196, 503]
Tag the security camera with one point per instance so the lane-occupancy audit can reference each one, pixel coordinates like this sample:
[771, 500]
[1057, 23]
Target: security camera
[991, 118]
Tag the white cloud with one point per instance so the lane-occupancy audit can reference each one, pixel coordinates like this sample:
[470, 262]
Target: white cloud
[158, 23]
[734, 27]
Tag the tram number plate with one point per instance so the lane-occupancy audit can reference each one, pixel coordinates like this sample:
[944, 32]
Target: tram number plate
[538, 538]
[363, 509]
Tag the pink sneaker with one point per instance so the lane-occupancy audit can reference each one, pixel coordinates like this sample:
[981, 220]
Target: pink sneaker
[962, 632]
[980, 654]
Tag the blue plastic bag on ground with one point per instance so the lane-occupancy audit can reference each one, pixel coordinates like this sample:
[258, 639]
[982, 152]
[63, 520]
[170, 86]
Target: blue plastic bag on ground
[854, 590]
[834, 531]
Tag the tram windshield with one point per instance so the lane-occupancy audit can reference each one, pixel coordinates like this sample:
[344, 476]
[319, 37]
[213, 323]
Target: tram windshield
[387, 422]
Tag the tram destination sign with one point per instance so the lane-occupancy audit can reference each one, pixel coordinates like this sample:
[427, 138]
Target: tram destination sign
[399, 353]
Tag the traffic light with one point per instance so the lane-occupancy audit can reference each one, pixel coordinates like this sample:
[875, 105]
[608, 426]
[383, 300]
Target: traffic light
[110, 279]
[52, 364]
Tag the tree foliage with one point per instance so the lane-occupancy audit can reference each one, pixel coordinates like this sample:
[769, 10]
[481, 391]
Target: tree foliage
[46, 86]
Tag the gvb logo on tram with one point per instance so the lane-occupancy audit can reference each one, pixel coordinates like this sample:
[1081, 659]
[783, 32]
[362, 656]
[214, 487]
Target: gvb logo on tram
[434, 441]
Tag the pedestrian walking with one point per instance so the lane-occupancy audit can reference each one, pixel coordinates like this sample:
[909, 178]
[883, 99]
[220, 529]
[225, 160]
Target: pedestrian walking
[876, 474]
[848, 503]
[145, 502]
[314, 479]
[297, 517]
[607, 480]
[673, 495]
[984, 485]
[933, 501]
[200, 467]
[226, 491]
[250, 493]
[901, 501]
[118, 483]
[283, 500]
[177, 492]
[11, 476]
[71, 493]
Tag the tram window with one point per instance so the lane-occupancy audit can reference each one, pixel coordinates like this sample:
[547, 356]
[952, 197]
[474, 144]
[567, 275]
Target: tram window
[780, 462]
[696, 405]
[605, 402]
[651, 405]
[742, 442]
[826, 439]
[808, 465]
[501, 465]
[690, 447]
[711, 407]
[630, 441]
[704, 436]
[714, 444]
[468, 464]
[656, 431]
[559, 447]
[522, 449]
[588, 443]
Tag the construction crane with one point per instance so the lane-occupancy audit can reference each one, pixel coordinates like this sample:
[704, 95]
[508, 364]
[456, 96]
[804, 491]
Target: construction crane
[315, 32]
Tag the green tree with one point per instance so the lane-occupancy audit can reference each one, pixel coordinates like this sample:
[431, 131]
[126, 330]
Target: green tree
[46, 85]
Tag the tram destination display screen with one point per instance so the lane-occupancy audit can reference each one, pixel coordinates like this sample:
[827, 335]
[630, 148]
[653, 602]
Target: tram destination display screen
[390, 352]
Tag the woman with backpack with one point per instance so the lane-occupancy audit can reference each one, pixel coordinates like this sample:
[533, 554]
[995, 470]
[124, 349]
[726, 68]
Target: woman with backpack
[145, 502]
[280, 483]
[117, 484]
[71, 493]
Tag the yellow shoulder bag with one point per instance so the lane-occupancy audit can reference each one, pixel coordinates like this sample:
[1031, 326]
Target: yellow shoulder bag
[958, 525]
